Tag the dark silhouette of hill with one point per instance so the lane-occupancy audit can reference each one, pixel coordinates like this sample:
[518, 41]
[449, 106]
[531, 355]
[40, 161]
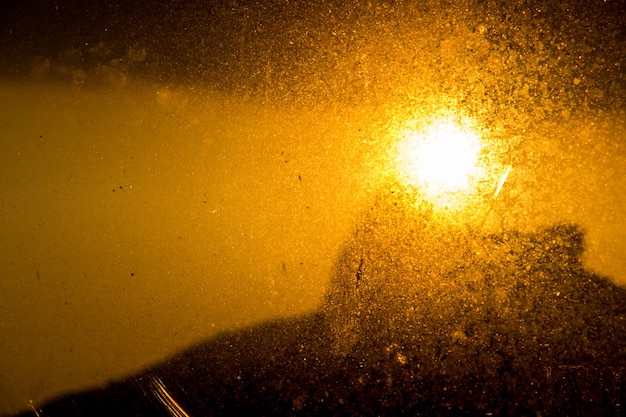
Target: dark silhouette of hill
[419, 319]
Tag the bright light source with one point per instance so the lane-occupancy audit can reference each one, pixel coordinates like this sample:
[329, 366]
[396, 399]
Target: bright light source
[442, 160]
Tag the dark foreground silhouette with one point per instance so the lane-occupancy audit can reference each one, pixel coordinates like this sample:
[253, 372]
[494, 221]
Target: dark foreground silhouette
[418, 320]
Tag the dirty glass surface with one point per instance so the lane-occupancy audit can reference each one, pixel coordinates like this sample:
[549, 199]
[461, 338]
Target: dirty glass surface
[312, 207]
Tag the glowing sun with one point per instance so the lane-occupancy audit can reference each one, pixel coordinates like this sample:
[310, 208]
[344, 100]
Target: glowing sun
[442, 160]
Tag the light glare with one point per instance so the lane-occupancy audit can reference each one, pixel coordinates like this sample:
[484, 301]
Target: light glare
[441, 160]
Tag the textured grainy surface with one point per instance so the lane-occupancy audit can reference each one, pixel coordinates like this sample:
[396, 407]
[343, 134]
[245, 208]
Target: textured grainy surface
[504, 57]
[176, 169]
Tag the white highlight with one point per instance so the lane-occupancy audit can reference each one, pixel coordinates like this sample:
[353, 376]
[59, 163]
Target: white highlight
[441, 160]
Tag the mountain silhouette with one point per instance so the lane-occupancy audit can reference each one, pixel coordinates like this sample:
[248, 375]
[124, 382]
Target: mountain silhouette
[419, 319]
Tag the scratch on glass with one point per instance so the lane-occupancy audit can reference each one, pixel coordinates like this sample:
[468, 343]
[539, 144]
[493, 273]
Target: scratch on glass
[502, 180]
[161, 393]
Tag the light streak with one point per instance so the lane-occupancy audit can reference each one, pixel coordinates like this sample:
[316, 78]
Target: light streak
[502, 180]
[164, 397]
